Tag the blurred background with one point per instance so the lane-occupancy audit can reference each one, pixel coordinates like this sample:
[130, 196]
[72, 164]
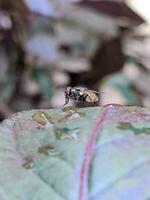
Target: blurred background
[47, 45]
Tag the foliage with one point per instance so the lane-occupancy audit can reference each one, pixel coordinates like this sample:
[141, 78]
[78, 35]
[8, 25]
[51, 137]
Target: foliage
[76, 154]
[47, 45]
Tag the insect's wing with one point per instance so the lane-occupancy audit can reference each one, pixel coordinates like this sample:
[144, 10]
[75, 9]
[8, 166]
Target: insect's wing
[91, 97]
[93, 91]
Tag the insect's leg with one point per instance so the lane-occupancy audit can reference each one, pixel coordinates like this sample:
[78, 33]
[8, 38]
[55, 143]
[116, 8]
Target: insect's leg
[77, 100]
[66, 101]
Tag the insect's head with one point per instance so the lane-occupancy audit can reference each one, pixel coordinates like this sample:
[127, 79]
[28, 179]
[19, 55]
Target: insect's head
[66, 93]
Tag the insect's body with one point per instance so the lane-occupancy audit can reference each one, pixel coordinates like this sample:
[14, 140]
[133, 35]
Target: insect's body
[80, 94]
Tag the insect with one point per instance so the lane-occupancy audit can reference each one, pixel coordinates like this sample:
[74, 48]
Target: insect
[80, 94]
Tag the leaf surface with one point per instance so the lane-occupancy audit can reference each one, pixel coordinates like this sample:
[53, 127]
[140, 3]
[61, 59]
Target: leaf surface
[76, 154]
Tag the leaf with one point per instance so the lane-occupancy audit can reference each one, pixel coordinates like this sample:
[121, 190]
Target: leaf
[114, 8]
[123, 84]
[43, 47]
[44, 7]
[102, 154]
[42, 77]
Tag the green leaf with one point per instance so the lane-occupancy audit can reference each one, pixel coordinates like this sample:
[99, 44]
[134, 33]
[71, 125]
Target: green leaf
[76, 154]
[43, 79]
[124, 85]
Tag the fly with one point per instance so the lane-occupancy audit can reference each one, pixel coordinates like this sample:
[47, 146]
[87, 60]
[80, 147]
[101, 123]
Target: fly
[80, 94]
